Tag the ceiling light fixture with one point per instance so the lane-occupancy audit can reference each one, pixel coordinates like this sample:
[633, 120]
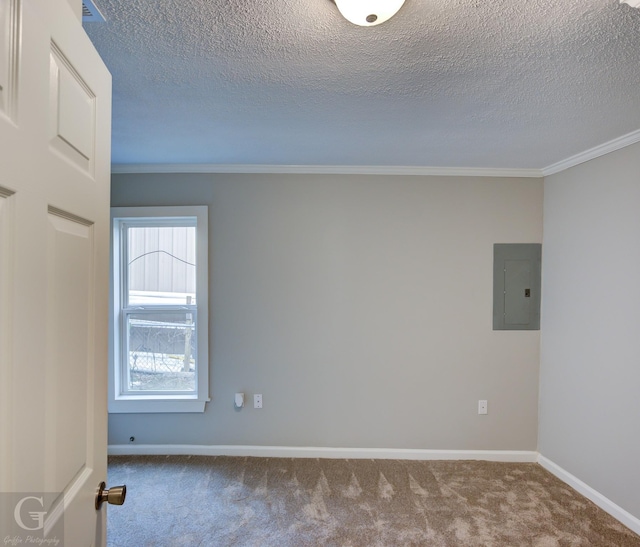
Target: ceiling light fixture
[632, 3]
[367, 13]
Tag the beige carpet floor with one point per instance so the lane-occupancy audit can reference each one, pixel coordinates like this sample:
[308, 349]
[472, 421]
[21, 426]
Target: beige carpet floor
[225, 501]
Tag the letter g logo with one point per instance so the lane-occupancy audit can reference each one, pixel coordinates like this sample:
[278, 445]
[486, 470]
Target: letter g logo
[37, 516]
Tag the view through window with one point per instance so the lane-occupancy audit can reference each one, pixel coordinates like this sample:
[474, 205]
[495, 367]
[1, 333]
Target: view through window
[161, 265]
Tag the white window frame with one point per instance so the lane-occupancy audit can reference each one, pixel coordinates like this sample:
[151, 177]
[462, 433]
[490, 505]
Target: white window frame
[121, 400]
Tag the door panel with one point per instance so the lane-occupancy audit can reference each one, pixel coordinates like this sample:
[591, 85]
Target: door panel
[69, 327]
[9, 54]
[72, 112]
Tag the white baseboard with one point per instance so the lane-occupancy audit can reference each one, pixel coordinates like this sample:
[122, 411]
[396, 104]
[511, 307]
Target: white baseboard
[596, 497]
[522, 456]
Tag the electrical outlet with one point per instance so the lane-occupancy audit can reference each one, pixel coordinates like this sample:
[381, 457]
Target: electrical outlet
[482, 407]
[257, 400]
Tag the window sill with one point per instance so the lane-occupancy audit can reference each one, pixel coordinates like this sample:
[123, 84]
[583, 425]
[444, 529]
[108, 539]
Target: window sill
[144, 405]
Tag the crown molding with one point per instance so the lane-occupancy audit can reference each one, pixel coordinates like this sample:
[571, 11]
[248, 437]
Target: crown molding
[122, 168]
[582, 157]
[592, 153]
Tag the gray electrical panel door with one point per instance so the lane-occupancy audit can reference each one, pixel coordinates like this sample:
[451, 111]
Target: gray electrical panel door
[516, 286]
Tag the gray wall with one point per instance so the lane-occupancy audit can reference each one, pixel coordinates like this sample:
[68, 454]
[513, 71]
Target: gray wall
[359, 306]
[590, 350]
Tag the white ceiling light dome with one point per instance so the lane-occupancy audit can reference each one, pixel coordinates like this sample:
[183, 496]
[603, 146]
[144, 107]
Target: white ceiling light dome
[632, 3]
[367, 13]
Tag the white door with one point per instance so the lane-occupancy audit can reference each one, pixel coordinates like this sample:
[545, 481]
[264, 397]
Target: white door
[55, 109]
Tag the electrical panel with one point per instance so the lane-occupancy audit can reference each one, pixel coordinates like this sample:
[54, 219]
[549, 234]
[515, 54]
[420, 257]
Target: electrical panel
[516, 286]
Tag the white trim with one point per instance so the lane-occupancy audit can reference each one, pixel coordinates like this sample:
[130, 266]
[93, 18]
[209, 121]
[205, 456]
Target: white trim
[120, 168]
[592, 153]
[596, 497]
[119, 402]
[519, 456]
[142, 405]
[632, 3]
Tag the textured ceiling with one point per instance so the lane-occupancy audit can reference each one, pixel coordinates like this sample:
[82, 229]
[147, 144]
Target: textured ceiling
[450, 83]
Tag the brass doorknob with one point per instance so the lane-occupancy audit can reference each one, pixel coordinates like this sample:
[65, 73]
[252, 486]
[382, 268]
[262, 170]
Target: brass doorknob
[114, 495]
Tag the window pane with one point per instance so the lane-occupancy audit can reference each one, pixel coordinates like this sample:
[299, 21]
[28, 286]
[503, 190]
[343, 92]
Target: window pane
[161, 349]
[162, 265]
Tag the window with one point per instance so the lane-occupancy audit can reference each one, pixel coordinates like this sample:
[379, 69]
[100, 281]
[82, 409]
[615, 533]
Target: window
[159, 326]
